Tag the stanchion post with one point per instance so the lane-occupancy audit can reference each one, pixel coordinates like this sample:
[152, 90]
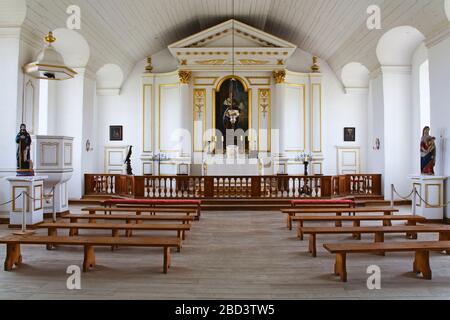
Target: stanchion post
[392, 195]
[24, 217]
[53, 205]
[414, 199]
[24, 203]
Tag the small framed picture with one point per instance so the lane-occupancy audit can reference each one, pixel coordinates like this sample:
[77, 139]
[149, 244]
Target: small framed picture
[116, 133]
[349, 134]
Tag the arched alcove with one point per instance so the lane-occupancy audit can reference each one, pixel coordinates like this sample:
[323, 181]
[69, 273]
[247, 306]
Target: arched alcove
[397, 46]
[73, 47]
[355, 75]
[109, 79]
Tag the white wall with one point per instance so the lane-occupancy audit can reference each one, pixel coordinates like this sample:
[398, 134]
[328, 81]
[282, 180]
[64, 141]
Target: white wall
[420, 56]
[124, 109]
[375, 158]
[340, 110]
[397, 128]
[440, 106]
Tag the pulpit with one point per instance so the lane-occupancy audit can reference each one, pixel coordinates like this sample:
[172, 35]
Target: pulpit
[53, 157]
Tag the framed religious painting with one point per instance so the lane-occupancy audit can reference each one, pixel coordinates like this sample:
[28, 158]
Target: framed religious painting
[116, 133]
[349, 134]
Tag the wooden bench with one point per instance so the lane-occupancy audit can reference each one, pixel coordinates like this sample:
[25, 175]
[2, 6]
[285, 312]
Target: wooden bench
[197, 204]
[114, 228]
[339, 211]
[14, 257]
[379, 232]
[138, 219]
[127, 217]
[422, 253]
[316, 204]
[140, 210]
[410, 219]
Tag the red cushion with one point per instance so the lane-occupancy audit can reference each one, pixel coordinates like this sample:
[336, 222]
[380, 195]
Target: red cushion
[324, 201]
[151, 201]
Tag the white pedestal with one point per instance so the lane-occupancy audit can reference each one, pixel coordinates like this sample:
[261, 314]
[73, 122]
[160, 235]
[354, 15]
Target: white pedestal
[431, 189]
[34, 206]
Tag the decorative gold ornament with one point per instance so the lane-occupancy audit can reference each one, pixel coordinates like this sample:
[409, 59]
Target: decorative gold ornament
[315, 68]
[149, 67]
[50, 38]
[280, 62]
[253, 62]
[212, 62]
[280, 76]
[183, 62]
[264, 98]
[199, 98]
[185, 76]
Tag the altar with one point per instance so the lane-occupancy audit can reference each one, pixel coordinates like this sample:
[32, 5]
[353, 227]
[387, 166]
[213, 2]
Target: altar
[232, 169]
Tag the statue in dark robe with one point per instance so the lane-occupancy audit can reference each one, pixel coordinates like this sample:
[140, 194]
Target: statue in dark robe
[24, 163]
[128, 161]
[427, 152]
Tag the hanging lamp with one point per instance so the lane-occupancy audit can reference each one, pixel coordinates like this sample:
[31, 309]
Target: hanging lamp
[49, 64]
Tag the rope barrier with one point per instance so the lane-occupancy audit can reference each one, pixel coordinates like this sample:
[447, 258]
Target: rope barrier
[414, 191]
[10, 201]
[403, 198]
[48, 195]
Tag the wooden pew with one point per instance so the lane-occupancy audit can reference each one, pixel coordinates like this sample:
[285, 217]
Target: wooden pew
[175, 203]
[14, 257]
[379, 232]
[114, 228]
[411, 220]
[318, 204]
[339, 211]
[421, 248]
[140, 210]
[128, 218]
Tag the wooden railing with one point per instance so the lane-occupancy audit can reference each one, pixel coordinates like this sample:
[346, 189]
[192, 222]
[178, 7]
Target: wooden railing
[357, 184]
[231, 187]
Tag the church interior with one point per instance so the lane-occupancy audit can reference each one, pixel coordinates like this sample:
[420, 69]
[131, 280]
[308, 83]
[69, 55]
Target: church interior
[269, 149]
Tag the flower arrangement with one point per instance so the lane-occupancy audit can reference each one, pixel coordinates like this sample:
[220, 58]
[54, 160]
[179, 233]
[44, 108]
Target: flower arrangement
[304, 157]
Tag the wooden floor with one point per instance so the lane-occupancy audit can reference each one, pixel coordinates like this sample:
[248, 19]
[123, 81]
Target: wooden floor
[228, 255]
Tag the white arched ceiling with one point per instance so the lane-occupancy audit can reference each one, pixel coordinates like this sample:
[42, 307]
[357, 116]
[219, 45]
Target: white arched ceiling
[12, 13]
[397, 46]
[124, 32]
[109, 79]
[447, 9]
[73, 47]
[355, 75]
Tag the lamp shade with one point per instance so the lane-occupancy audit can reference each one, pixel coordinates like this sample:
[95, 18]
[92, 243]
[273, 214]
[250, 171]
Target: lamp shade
[49, 64]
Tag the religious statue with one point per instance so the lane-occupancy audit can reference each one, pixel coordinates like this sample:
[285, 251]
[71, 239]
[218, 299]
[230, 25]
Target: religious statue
[427, 152]
[128, 161]
[24, 163]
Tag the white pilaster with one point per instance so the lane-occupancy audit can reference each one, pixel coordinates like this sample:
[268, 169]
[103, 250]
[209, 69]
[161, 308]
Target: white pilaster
[397, 127]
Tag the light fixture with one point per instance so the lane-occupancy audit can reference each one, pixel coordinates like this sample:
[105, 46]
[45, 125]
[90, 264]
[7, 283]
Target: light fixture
[49, 64]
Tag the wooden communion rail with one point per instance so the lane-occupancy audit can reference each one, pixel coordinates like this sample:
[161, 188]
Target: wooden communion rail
[228, 187]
